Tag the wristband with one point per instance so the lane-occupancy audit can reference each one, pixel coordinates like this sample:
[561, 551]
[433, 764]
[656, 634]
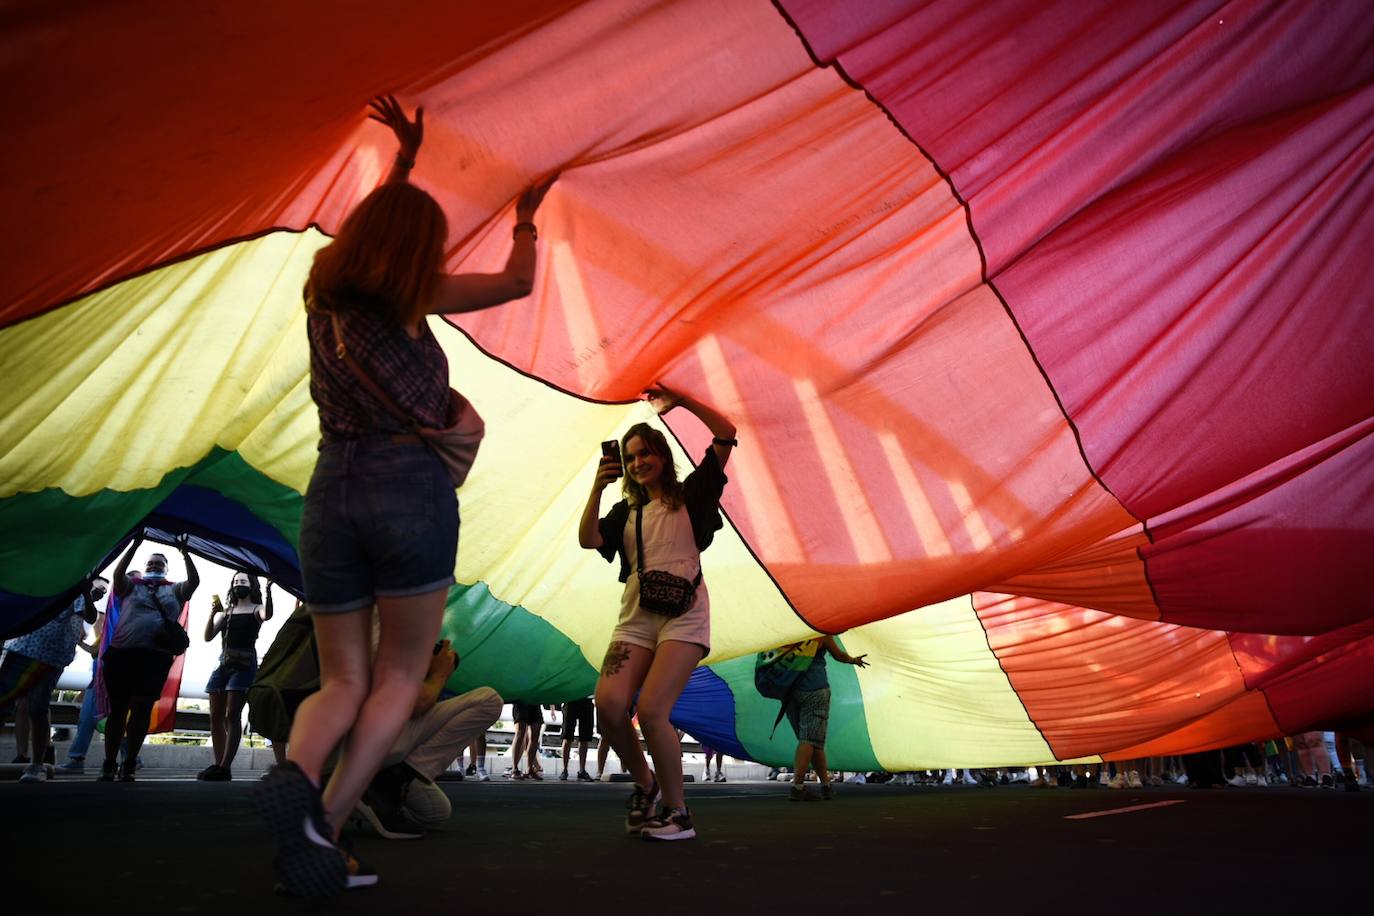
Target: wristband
[730, 442]
[533, 230]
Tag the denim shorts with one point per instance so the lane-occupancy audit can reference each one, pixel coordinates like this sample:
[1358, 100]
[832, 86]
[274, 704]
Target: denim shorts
[230, 677]
[380, 521]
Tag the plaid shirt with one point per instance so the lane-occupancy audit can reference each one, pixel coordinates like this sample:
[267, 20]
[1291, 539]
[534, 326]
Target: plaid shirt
[413, 372]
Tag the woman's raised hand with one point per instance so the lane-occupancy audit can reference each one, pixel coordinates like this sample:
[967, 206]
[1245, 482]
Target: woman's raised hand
[409, 134]
[532, 197]
[607, 472]
[662, 398]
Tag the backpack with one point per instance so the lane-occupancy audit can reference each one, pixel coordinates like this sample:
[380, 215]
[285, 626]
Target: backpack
[290, 672]
[778, 671]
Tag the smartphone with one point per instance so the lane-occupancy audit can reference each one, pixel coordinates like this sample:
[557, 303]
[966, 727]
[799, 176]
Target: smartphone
[611, 449]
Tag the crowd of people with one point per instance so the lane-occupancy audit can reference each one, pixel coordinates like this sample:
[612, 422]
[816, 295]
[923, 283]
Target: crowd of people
[377, 547]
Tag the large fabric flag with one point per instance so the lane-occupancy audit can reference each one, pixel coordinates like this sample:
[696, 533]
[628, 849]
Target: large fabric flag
[1045, 325]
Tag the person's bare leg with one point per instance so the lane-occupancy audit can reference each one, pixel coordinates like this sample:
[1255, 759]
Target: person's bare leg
[344, 643]
[536, 730]
[23, 740]
[603, 750]
[582, 756]
[217, 724]
[39, 730]
[819, 765]
[517, 746]
[567, 753]
[801, 760]
[409, 627]
[622, 672]
[672, 665]
[233, 726]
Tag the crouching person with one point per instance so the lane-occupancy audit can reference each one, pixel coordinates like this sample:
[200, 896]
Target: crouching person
[402, 801]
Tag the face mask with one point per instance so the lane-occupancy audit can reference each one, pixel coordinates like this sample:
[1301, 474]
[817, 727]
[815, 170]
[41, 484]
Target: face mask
[97, 593]
[154, 575]
[241, 591]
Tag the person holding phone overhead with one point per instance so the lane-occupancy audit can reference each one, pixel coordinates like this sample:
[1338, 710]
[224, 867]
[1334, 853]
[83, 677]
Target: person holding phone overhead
[379, 526]
[664, 631]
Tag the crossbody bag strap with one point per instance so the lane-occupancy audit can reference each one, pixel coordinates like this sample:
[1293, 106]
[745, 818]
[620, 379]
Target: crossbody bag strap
[341, 352]
[639, 546]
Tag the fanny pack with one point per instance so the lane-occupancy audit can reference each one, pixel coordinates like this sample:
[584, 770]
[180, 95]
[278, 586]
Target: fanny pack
[661, 592]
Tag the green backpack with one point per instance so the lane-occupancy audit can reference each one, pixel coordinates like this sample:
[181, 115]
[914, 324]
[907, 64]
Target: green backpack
[290, 672]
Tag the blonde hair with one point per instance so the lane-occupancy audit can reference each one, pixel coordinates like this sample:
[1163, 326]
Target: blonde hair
[657, 444]
[385, 258]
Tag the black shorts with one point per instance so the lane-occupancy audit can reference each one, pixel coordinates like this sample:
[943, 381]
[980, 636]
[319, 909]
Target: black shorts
[527, 713]
[135, 672]
[579, 718]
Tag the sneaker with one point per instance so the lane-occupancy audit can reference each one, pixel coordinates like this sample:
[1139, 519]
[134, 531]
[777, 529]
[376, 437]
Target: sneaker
[387, 819]
[308, 863]
[1351, 783]
[1117, 782]
[214, 773]
[73, 765]
[1327, 782]
[359, 875]
[1251, 779]
[669, 824]
[720, 777]
[641, 805]
[1133, 780]
[827, 792]
[584, 776]
[801, 792]
[1238, 781]
[482, 775]
[1261, 781]
[33, 773]
[107, 772]
[471, 770]
[563, 776]
[1308, 782]
[126, 772]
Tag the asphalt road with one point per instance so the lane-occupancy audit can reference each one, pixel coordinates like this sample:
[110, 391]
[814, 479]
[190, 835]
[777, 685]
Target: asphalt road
[170, 844]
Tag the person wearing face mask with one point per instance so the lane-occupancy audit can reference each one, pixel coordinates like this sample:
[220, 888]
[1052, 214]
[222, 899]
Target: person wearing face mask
[138, 659]
[237, 623]
[32, 664]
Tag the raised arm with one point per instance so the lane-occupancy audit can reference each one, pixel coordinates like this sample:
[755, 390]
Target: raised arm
[588, 531]
[474, 292]
[839, 654]
[192, 577]
[409, 134]
[266, 611]
[722, 430]
[215, 622]
[121, 578]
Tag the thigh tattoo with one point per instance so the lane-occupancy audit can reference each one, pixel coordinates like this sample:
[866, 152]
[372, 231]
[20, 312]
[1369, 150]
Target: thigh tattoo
[616, 657]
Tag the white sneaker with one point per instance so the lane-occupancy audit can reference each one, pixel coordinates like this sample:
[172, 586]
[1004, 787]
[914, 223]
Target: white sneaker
[970, 779]
[949, 778]
[33, 773]
[1251, 779]
[674, 824]
[1117, 782]
[1262, 781]
[1133, 780]
[482, 775]
[1238, 781]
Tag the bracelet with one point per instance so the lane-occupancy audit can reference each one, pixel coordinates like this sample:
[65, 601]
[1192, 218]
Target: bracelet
[533, 229]
[730, 442]
[402, 160]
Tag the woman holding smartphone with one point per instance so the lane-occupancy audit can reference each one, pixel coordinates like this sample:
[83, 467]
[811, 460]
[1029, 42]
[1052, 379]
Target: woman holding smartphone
[658, 530]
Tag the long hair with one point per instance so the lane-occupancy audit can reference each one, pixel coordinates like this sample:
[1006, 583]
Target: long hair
[254, 590]
[657, 444]
[386, 257]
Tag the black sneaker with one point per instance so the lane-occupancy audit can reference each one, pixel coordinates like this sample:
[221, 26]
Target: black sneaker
[214, 773]
[126, 772]
[308, 863]
[386, 818]
[641, 805]
[471, 770]
[584, 776]
[107, 772]
[563, 776]
[669, 824]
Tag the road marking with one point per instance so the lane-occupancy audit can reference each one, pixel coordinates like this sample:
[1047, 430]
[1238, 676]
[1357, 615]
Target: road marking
[1126, 810]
